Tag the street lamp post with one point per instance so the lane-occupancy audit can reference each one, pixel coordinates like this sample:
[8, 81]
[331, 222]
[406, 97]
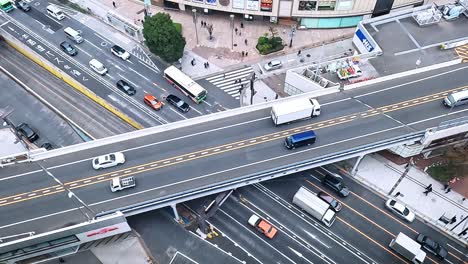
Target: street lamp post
[232, 31]
[291, 34]
[195, 19]
[70, 194]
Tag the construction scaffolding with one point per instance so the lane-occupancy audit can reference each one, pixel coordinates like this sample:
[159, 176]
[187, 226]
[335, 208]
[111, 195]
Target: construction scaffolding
[428, 16]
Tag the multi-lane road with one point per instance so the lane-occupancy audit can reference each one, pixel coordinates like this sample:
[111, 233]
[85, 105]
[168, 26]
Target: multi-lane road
[204, 154]
[361, 233]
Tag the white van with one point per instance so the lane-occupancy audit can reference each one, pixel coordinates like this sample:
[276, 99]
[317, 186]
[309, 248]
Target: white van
[55, 12]
[73, 35]
[455, 99]
[97, 66]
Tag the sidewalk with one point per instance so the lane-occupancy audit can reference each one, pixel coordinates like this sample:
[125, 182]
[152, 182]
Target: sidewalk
[381, 174]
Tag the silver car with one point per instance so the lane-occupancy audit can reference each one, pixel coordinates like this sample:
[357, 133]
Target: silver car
[400, 209]
[273, 65]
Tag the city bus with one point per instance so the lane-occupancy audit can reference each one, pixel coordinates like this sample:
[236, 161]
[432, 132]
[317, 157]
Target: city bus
[6, 5]
[185, 84]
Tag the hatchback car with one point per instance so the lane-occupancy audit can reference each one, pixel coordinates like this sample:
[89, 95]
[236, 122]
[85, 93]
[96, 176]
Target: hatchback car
[47, 146]
[125, 87]
[335, 182]
[432, 246]
[154, 103]
[335, 205]
[108, 160]
[68, 48]
[178, 103]
[273, 65]
[120, 52]
[23, 6]
[400, 209]
[26, 131]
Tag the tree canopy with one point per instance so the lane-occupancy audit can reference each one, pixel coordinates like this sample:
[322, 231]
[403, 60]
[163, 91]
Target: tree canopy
[163, 38]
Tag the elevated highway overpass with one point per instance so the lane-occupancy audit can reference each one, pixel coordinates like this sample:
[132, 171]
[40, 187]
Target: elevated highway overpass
[209, 154]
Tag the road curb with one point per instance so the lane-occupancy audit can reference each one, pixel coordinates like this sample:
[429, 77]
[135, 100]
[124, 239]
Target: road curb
[70, 81]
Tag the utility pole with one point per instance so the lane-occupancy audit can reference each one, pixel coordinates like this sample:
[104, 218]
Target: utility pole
[71, 195]
[291, 34]
[195, 19]
[232, 31]
[403, 175]
[252, 90]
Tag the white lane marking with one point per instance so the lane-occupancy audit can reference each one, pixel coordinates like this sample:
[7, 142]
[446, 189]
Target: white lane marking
[87, 181]
[82, 50]
[140, 75]
[37, 218]
[435, 117]
[32, 194]
[411, 82]
[157, 70]
[4, 24]
[45, 191]
[110, 76]
[309, 220]
[193, 108]
[256, 234]
[103, 38]
[140, 168]
[100, 178]
[89, 42]
[178, 253]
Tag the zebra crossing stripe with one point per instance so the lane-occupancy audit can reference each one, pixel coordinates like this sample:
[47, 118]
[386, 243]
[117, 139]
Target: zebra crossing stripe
[249, 69]
[226, 81]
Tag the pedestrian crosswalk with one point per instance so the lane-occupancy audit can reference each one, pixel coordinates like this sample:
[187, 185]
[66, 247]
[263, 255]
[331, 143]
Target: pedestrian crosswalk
[229, 81]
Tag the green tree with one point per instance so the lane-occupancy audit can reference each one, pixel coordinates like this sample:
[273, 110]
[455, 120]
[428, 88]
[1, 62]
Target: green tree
[162, 37]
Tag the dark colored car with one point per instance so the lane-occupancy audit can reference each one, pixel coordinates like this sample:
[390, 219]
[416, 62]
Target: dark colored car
[335, 182]
[335, 205]
[26, 131]
[125, 87]
[432, 246]
[177, 102]
[68, 48]
[47, 146]
[23, 6]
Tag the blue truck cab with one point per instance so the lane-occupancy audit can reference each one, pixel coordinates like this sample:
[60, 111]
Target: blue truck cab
[301, 139]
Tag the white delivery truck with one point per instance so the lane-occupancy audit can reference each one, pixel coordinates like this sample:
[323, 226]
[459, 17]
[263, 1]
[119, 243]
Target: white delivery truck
[120, 183]
[408, 248]
[312, 204]
[293, 110]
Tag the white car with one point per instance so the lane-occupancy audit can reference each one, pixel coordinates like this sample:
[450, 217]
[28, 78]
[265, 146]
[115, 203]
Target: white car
[273, 65]
[120, 52]
[400, 209]
[108, 160]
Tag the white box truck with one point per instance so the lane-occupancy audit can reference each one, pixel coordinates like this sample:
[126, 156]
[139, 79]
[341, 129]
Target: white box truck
[293, 110]
[120, 183]
[408, 248]
[312, 204]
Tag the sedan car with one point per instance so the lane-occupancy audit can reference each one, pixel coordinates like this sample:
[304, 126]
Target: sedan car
[126, 88]
[335, 182]
[23, 6]
[432, 246]
[263, 226]
[154, 103]
[120, 52]
[335, 205]
[273, 65]
[26, 131]
[177, 102]
[68, 48]
[400, 209]
[108, 160]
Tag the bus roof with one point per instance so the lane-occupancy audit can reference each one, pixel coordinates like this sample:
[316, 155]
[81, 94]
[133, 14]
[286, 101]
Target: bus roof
[184, 80]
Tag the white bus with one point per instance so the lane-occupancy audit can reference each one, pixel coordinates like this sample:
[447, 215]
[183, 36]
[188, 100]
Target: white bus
[185, 84]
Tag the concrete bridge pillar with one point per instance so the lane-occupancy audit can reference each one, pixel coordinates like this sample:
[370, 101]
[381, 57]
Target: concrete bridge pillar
[356, 165]
[176, 214]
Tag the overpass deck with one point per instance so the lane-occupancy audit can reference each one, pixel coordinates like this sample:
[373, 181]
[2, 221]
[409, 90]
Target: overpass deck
[202, 155]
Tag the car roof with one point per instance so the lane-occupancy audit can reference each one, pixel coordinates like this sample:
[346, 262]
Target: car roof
[400, 207]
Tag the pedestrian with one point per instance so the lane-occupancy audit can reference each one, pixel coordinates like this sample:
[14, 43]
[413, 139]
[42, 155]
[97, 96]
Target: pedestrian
[246, 53]
[224, 75]
[113, 3]
[448, 190]
[240, 33]
[453, 220]
[201, 23]
[204, 23]
[61, 260]
[428, 190]
[462, 200]
[446, 185]
[242, 25]
[397, 194]
[236, 30]
[245, 41]
[242, 53]
[429, 186]
[207, 64]
[299, 52]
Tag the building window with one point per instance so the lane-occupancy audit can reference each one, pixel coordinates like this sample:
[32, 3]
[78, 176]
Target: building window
[344, 5]
[307, 5]
[326, 5]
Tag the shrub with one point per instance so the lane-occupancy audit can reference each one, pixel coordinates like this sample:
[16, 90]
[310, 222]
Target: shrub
[178, 27]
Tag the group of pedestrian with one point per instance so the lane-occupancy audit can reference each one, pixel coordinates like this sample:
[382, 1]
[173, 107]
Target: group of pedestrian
[245, 53]
[207, 65]
[203, 23]
[447, 188]
[428, 189]
[238, 80]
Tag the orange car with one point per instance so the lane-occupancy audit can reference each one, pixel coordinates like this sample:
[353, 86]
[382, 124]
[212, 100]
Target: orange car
[263, 226]
[153, 102]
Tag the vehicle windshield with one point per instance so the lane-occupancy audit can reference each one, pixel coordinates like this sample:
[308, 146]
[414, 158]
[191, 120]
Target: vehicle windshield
[180, 103]
[334, 203]
[153, 102]
[406, 211]
[288, 141]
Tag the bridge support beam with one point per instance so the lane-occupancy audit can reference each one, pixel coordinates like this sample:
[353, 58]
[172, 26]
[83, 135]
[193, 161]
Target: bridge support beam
[176, 214]
[356, 165]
